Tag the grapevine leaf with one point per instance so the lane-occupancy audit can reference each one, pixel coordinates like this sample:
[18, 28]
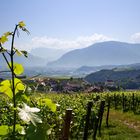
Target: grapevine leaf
[5, 83]
[3, 39]
[49, 103]
[5, 87]
[19, 86]
[7, 90]
[53, 107]
[20, 129]
[21, 24]
[26, 98]
[18, 68]
[3, 130]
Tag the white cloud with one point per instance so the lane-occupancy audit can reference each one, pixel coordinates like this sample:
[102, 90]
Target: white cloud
[54, 43]
[57, 43]
[135, 38]
[79, 42]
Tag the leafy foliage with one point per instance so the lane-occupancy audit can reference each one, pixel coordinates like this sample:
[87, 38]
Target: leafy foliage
[12, 125]
[6, 87]
[18, 68]
[3, 130]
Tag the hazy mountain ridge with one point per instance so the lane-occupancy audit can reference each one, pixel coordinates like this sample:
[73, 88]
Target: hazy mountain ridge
[104, 53]
[84, 70]
[114, 74]
[47, 53]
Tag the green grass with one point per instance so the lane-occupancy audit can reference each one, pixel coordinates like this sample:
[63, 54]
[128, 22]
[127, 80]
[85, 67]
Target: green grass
[118, 129]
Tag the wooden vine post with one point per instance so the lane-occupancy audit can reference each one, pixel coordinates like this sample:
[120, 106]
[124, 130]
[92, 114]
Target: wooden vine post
[101, 112]
[133, 102]
[115, 101]
[108, 110]
[99, 120]
[89, 106]
[66, 128]
[123, 102]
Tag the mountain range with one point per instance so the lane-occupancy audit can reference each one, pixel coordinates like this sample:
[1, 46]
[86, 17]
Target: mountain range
[104, 53]
[47, 53]
[85, 70]
[126, 78]
[116, 74]
[37, 57]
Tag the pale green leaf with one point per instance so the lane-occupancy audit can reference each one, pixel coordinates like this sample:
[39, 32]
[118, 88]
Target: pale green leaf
[6, 90]
[5, 83]
[18, 68]
[3, 130]
[53, 107]
[19, 86]
[5, 87]
[20, 129]
[26, 98]
[3, 39]
[21, 24]
[49, 103]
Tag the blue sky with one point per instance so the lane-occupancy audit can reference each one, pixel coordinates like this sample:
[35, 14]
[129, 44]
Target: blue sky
[72, 23]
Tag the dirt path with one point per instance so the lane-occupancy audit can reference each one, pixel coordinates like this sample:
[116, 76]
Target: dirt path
[129, 121]
[133, 125]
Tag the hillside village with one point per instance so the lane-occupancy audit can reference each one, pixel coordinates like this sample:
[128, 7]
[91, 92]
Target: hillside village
[68, 85]
[103, 80]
